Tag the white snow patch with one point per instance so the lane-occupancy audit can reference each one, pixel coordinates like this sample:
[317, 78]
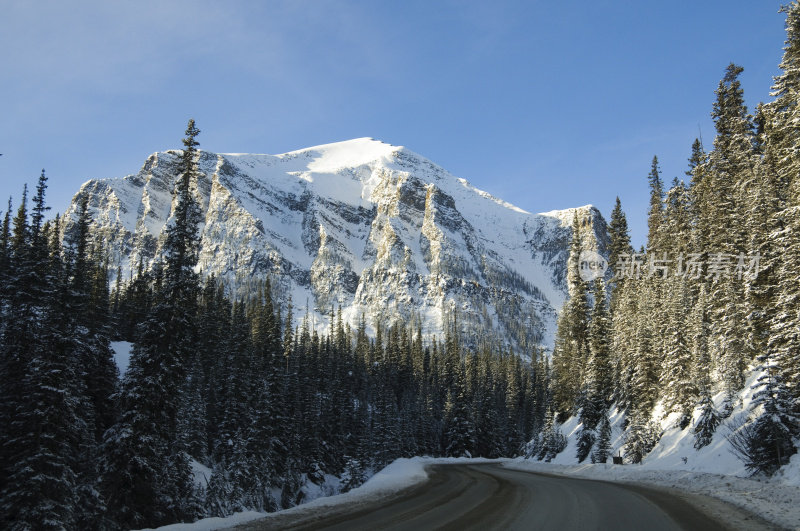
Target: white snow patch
[338, 155]
[209, 524]
[790, 474]
[675, 450]
[565, 216]
[122, 355]
[398, 475]
[200, 473]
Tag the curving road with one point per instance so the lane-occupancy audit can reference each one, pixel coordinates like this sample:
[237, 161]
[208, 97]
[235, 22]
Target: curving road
[488, 496]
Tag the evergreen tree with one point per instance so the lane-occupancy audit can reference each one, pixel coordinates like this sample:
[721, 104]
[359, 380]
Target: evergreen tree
[602, 449]
[641, 437]
[147, 475]
[45, 432]
[571, 345]
[769, 441]
[698, 191]
[698, 328]
[646, 350]
[88, 288]
[655, 216]
[599, 379]
[553, 440]
[618, 233]
[459, 427]
[707, 423]
[5, 257]
[677, 377]
[624, 331]
[620, 248]
[677, 222]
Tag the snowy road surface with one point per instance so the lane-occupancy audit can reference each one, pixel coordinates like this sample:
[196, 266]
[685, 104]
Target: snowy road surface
[487, 496]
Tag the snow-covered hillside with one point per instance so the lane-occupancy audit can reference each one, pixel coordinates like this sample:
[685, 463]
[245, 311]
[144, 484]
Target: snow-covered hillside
[712, 470]
[366, 226]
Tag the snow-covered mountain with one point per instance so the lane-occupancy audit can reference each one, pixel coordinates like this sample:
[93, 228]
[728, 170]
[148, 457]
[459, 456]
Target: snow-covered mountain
[366, 226]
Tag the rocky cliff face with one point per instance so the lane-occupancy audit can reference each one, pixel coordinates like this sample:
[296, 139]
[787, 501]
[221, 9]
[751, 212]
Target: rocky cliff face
[372, 228]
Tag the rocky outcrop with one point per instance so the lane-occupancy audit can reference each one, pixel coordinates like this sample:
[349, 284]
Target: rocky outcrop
[370, 228]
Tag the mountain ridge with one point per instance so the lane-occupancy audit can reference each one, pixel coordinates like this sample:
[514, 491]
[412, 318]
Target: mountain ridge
[372, 228]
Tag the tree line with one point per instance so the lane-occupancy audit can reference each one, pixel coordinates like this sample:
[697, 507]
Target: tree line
[717, 291]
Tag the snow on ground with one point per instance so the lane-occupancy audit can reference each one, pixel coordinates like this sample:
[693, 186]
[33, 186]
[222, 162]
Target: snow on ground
[400, 474]
[773, 501]
[122, 355]
[209, 524]
[790, 474]
[201, 474]
[713, 470]
[675, 450]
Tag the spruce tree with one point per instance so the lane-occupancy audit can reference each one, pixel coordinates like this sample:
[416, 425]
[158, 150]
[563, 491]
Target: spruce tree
[5, 257]
[677, 222]
[620, 248]
[783, 301]
[44, 400]
[655, 216]
[459, 426]
[699, 329]
[677, 380]
[571, 345]
[602, 449]
[641, 437]
[770, 441]
[598, 380]
[645, 351]
[144, 449]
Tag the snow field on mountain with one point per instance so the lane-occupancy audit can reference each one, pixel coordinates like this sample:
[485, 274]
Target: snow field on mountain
[355, 209]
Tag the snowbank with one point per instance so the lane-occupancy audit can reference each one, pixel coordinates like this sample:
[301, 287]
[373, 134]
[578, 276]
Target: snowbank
[790, 474]
[399, 475]
[674, 462]
[769, 499]
[209, 524]
[675, 450]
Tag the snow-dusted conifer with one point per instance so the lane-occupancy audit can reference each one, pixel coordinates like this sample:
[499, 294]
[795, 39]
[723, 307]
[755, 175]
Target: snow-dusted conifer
[602, 448]
[678, 385]
[571, 346]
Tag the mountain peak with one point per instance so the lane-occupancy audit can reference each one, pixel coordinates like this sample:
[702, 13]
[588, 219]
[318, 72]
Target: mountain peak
[355, 152]
[363, 225]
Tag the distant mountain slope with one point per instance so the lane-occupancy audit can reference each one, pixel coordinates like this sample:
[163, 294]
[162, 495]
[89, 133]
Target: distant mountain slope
[366, 226]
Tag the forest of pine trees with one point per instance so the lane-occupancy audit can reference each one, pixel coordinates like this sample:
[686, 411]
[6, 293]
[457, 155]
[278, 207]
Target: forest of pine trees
[715, 293]
[270, 404]
[266, 403]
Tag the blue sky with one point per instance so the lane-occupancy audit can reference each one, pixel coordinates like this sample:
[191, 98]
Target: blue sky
[544, 104]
